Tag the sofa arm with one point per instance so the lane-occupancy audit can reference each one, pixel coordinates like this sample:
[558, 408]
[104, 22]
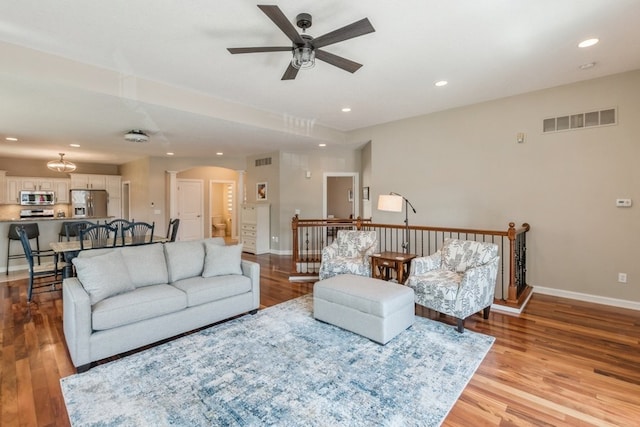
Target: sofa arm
[422, 265]
[252, 271]
[76, 321]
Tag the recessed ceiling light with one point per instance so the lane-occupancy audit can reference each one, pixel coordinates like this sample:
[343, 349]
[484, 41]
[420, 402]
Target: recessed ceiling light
[322, 144]
[169, 153]
[441, 83]
[346, 109]
[74, 145]
[219, 153]
[587, 65]
[11, 138]
[588, 42]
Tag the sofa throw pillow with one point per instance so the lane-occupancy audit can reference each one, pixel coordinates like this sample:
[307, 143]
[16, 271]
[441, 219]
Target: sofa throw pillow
[146, 264]
[103, 276]
[222, 260]
[184, 259]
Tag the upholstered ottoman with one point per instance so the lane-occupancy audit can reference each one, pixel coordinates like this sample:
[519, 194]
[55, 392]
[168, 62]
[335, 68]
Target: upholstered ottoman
[369, 307]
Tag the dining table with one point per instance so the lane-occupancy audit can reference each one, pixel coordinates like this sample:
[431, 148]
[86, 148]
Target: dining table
[68, 250]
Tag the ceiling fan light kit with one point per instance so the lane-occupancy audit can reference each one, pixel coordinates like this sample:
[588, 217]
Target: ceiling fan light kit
[136, 135]
[305, 48]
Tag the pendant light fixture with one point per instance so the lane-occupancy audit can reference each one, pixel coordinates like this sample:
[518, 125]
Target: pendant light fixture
[61, 165]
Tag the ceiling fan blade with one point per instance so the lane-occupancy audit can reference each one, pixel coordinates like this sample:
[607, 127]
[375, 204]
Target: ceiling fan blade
[338, 61]
[260, 49]
[290, 73]
[275, 14]
[350, 31]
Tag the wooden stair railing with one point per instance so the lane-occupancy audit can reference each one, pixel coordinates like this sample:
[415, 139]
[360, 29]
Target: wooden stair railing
[310, 236]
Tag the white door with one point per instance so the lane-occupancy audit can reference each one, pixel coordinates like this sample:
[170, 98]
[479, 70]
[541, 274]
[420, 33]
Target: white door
[190, 209]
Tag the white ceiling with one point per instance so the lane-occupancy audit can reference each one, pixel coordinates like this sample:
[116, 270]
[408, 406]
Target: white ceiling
[77, 71]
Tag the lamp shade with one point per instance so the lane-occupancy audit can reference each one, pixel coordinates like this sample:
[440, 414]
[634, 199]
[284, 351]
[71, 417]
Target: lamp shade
[390, 203]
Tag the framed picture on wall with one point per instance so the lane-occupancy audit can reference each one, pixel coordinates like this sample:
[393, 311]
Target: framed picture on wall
[365, 193]
[261, 191]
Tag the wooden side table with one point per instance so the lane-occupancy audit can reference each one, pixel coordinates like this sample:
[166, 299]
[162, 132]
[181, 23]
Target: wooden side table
[382, 264]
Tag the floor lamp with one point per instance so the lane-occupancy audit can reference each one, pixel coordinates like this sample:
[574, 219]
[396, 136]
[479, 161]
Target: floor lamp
[392, 202]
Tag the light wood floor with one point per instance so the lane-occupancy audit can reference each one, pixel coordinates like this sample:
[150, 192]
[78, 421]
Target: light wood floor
[561, 363]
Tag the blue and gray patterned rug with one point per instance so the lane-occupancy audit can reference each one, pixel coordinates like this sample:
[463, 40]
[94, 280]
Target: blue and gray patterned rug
[282, 367]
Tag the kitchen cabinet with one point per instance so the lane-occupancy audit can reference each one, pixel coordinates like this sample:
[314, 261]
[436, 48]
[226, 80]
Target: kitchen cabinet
[13, 187]
[83, 181]
[254, 228]
[14, 184]
[36, 184]
[3, 186]
[113, 184]
[61, 188]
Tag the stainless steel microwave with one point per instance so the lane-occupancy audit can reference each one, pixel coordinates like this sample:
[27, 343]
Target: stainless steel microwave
[37, 198]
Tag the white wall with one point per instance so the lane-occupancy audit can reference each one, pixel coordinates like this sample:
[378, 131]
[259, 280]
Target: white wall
[464, 168]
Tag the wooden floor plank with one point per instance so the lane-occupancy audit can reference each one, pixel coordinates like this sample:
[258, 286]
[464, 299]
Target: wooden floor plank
[560, 363]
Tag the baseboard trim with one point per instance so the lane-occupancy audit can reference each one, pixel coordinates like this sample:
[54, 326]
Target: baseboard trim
[512, 309]
[615, 302]
[280, 252]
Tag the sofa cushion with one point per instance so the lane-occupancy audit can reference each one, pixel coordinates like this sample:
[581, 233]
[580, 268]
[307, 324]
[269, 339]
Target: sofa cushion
[90, 253]
[140, 304]
[146, 264]
[201, 290]
[184, 259]
[222, 260]
[215, 241]
[103, 276]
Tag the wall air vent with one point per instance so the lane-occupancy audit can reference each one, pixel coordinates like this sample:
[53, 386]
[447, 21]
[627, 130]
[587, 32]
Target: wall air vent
[591, 119]
[263, 162]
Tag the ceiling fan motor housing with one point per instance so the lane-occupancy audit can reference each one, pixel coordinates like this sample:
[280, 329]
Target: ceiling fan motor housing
[303, 20]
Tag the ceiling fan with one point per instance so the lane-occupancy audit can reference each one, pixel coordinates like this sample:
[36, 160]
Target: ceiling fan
[305, 48]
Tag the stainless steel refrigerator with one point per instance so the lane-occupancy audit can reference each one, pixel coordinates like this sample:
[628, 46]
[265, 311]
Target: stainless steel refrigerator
[89, 203]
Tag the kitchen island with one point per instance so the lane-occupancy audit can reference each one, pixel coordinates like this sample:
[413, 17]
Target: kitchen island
[49, 230]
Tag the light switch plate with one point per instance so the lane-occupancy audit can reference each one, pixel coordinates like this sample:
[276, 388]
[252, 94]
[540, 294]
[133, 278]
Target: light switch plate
[623, 203]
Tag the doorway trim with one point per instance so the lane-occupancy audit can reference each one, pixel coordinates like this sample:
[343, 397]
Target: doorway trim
[125, 209]
[356, 190]
[234, 217]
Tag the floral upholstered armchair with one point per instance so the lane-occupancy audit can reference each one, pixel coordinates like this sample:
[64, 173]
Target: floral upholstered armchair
[348, 254]
[458, 280]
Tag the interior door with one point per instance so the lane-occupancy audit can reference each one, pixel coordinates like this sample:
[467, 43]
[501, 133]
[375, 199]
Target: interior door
[190, 209]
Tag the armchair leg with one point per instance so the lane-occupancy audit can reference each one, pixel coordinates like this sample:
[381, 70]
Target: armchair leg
[460, 327]
[485, 312]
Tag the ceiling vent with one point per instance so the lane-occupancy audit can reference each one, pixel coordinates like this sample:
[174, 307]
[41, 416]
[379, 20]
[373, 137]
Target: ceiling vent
[263, 162]
[136, 135]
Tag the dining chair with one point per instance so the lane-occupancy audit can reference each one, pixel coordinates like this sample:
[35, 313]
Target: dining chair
[72, 228]
[119, 224]
[46, 275]
[33, 233]
[140, 233]
[99, 236]
[172, 230]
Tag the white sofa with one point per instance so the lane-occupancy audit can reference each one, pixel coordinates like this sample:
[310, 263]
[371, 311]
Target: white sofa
[125, 298]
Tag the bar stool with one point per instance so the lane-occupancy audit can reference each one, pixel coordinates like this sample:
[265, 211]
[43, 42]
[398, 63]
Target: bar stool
[33, 232]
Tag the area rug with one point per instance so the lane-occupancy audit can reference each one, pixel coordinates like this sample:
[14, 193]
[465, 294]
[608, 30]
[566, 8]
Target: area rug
[282, 367]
